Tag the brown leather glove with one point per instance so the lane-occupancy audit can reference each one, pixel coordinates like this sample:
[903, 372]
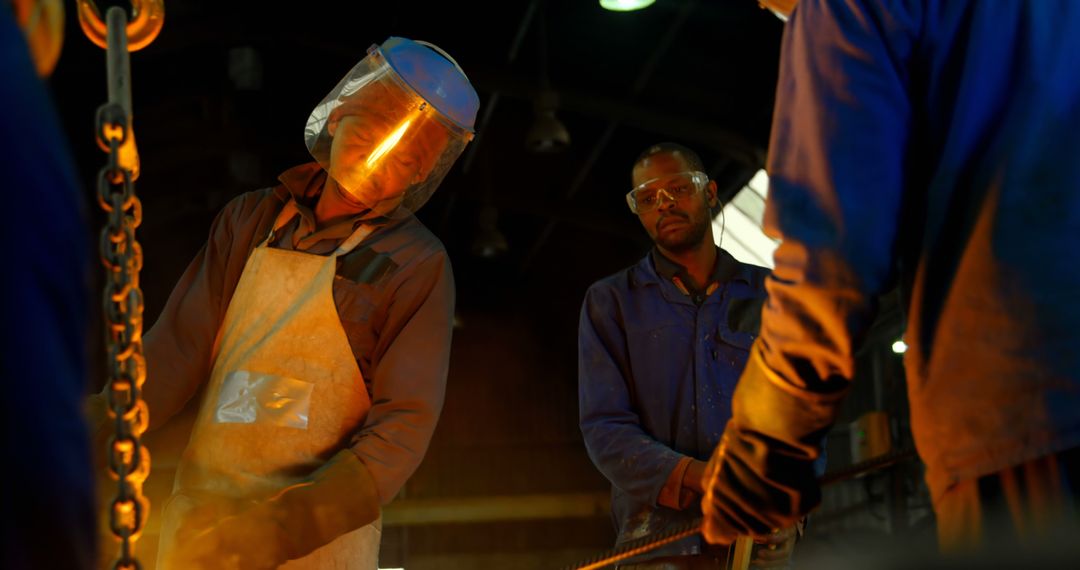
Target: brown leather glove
[338, 498]
[761, 477]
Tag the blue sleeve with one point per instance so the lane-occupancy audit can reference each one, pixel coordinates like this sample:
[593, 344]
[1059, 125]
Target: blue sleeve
[837, 171]
[628, 456]
[48, 497]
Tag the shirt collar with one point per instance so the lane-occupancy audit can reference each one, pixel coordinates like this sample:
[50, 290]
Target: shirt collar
[726, 268]
[304, 184]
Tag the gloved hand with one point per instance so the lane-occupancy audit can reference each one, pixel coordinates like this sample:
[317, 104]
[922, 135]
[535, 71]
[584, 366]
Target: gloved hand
[338, 498]
[251, 539]
[761, 477]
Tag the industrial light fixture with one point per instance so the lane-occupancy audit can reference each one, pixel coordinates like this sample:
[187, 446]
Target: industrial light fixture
[625, 5]
[899, 347]
[547, 133]
[489, 241]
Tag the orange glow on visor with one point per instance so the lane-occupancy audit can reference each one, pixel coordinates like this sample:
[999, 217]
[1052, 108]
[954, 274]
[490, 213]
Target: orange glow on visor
[389, 142]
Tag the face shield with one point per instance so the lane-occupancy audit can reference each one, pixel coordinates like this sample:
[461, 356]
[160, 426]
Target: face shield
[780, 8]
[394, 125]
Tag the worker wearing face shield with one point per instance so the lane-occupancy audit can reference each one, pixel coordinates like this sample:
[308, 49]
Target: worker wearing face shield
[317, 321]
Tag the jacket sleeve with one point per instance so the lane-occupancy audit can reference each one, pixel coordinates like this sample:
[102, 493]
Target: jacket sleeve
[837, 172]
[179, 346]
[630, 458]
[837, 166]
[410, 363]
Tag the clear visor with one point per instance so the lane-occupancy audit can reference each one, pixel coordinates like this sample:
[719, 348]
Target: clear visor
[648, 195]
[780, 8]
[384, 145]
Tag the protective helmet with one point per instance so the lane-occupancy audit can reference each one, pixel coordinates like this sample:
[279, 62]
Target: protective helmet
[394, 125]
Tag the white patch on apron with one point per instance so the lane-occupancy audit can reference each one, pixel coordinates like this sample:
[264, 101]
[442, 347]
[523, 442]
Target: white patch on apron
[247, 397]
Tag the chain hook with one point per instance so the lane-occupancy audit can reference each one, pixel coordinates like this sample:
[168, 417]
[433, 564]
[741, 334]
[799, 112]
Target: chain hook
[144, 23]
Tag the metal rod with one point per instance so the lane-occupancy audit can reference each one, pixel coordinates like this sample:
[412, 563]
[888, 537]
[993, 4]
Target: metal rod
[650, 543]
[118, 61]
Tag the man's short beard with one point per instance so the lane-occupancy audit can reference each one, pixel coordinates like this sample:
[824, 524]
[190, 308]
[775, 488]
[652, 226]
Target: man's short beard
[688, 241]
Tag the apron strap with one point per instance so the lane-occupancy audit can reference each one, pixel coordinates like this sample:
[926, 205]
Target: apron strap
[289, 212]
[354, 239]
[285, 216]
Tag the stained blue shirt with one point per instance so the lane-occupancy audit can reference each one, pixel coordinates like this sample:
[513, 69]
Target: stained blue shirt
[44, 312]
[656, 374]
[937, 142]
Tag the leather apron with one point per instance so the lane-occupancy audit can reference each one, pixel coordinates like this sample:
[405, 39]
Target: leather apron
[285, 394]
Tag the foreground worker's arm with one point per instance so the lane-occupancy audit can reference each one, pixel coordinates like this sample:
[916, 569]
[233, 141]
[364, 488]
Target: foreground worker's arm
[179, 347]
[336, 499]
[837, 170]
[410, 363]
[629, 457]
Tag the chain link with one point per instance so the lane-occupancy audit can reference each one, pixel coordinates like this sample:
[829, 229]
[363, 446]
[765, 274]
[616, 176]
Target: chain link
[121, 255]
[129, 460]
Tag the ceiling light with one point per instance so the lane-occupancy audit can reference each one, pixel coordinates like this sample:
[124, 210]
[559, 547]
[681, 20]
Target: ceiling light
[625, 5]
[547, 133]
[489, 242]
[899, 347]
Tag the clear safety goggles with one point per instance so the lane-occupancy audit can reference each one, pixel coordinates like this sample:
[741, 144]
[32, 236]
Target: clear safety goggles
[648, 195]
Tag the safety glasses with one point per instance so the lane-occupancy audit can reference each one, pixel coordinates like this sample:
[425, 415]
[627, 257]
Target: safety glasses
[648, 195]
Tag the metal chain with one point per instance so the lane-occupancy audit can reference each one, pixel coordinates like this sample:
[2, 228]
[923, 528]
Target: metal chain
[129, 460]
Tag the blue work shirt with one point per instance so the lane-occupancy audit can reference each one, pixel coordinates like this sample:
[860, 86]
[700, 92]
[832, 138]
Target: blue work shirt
[943, 135]
[656, 375]
[45, 312]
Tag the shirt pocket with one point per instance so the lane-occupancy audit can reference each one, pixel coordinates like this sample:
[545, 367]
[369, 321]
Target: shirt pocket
[355, 301]
[356, 306]
[732, 350]
[743, 315]
[737, 330]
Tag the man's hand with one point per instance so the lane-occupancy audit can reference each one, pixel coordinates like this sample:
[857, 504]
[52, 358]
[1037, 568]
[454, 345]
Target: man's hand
[762, 477]
[225, 535]
[694, 476]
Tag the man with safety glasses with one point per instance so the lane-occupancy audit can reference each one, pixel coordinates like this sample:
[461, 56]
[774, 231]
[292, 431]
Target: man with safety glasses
[317, 320]
[661, 345]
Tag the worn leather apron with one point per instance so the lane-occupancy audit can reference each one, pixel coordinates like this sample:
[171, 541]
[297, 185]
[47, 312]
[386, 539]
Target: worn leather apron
[285, 394]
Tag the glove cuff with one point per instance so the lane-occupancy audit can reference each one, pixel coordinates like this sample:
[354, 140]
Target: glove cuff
[767, 404]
